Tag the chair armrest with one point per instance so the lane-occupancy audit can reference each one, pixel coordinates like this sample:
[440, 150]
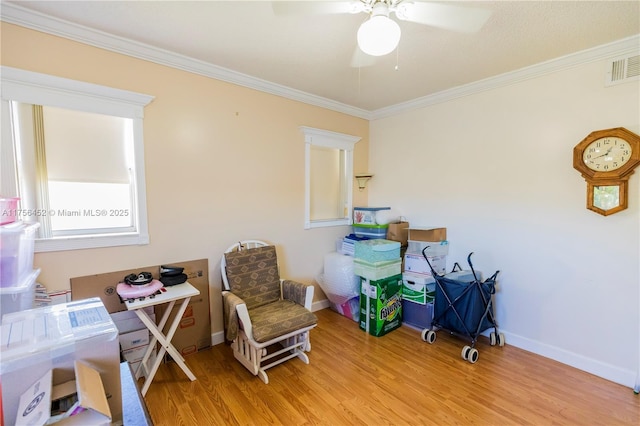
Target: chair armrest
[298, 292]
[235, 315]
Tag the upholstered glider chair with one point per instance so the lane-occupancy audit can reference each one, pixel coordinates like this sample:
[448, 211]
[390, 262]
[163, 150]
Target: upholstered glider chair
[267, 319]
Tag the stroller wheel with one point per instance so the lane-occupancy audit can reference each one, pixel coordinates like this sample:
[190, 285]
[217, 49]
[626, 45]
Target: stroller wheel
[501, 340]
[473, 355]
[465, 352]
[492, 338]
[428, 336]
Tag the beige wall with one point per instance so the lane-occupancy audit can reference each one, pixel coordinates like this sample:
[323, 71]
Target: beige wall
[223, 163]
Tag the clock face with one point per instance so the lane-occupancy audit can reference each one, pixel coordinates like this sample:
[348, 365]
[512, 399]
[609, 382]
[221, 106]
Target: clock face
[607, 154]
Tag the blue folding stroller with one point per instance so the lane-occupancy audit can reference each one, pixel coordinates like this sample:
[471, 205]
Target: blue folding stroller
[464, 307]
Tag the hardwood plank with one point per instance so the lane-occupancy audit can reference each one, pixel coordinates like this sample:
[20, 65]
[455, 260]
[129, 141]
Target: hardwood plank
[354, 378]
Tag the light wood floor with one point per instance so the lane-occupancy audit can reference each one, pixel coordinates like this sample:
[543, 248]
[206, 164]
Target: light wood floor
[397, 379]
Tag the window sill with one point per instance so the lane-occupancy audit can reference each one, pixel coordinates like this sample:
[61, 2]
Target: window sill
[92, 241]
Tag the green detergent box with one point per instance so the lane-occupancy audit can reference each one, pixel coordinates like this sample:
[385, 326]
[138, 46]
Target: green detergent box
[381, 305]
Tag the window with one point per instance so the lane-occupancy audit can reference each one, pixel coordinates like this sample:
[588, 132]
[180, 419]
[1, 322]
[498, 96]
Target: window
[328, 177]
[73, 153]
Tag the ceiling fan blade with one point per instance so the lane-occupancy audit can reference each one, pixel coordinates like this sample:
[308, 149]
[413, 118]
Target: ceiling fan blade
[312, 7]
[447, 16]
[359, 59]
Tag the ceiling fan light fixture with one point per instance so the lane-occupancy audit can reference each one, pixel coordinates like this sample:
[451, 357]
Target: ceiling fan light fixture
[379, 35]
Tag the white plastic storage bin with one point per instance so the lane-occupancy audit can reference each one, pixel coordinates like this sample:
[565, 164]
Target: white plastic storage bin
[20, 297]
[52, 338]
[17, 242]
[366, 215]
[465, 276]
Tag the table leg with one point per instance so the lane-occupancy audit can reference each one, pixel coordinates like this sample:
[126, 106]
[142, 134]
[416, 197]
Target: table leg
[165, 342]
[148, 322]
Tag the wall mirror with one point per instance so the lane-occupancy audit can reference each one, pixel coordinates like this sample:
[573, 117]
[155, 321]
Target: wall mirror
[328, 177]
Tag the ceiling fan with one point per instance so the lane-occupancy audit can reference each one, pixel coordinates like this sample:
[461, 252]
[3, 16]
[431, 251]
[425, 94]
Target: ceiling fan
[380, 35]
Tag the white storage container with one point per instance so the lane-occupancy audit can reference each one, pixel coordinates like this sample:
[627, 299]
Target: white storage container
[418, 288]
[8, 209]
[416, 263]
[435, 248]
[20, 297]
[37, 341]
[367, 215]
[17, 242]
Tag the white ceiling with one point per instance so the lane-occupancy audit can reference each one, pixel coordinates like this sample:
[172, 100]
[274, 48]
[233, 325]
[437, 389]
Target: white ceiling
[313, 53]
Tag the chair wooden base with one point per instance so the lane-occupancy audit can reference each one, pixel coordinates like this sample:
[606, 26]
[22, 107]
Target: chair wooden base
[254, 356]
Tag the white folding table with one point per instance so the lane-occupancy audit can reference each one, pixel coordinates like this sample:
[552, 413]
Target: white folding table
[181, 292]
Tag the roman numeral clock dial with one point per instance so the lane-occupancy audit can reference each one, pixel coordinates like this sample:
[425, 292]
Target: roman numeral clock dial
[606, 159]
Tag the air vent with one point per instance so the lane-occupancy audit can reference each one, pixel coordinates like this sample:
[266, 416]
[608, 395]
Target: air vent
[623, 70]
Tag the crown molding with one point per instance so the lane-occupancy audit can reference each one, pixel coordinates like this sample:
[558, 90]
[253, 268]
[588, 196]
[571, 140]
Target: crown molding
[15, 14]
[618, 48]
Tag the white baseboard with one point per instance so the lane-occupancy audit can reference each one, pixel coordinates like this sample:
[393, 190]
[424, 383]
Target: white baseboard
[318, 306]
[217, 338]
[581, 362]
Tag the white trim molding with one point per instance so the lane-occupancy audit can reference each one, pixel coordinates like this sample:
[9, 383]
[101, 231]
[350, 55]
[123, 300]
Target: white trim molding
[18, 15]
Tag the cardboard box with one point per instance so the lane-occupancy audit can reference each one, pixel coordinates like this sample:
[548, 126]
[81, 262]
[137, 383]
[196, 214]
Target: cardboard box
[104, 285]
[381, 305]
[418, 288]
[81, 401]
[378, 270]
[427, 234]
[194, 332]
[378, 250]
[53, 338]
[127, 321]
[134, 339]
[134, 358]
[417, 264]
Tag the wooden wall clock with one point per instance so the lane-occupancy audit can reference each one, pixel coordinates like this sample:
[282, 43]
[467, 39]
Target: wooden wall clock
[606, 159]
